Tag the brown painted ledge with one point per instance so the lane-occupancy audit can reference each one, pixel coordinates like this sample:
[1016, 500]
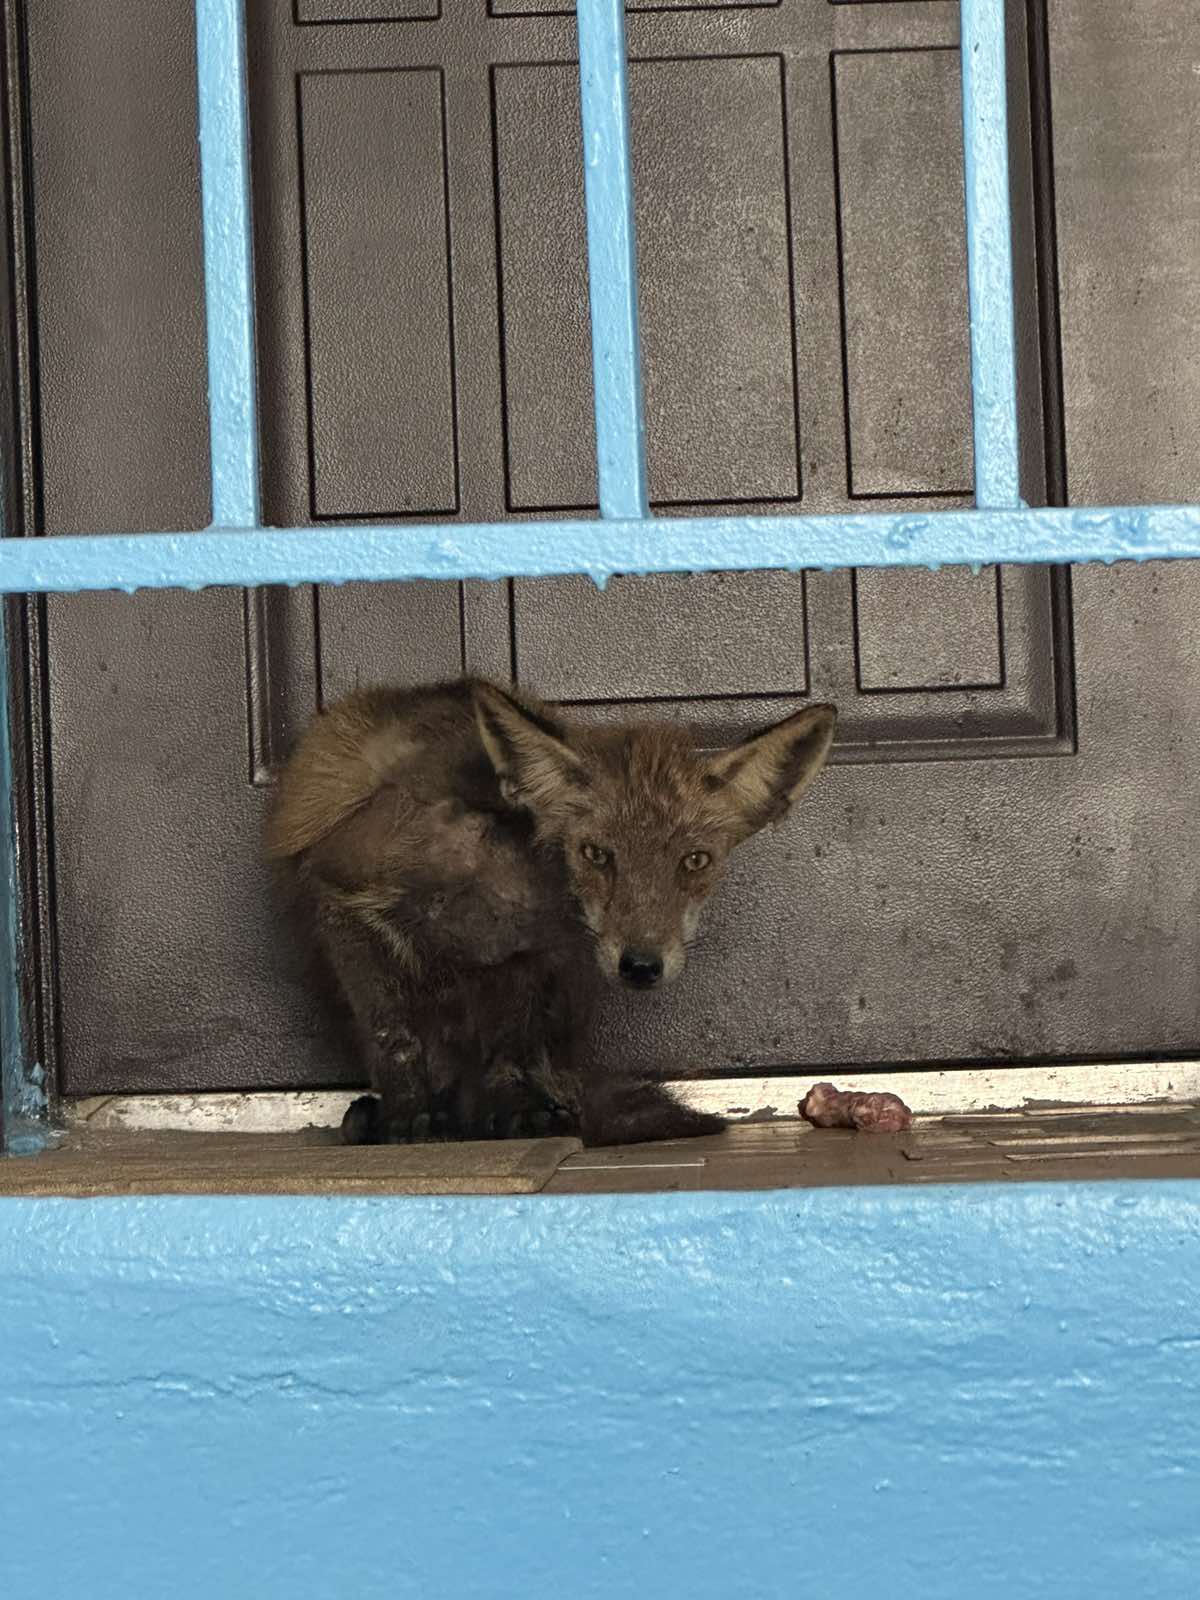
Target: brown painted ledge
[1035, 1144]
[98, 1163]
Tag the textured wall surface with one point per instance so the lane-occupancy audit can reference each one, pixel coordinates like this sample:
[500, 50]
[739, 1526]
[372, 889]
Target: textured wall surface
[974, 1391]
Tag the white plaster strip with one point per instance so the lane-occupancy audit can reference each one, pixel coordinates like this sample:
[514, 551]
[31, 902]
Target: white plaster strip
[930, 1093]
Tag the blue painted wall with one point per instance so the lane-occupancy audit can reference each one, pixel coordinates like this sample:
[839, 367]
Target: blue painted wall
[941, 1393]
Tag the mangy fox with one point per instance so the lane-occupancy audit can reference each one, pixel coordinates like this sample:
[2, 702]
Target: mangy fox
[469, 868]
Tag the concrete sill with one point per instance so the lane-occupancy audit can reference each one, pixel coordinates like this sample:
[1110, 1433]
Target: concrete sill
[1032, 1145]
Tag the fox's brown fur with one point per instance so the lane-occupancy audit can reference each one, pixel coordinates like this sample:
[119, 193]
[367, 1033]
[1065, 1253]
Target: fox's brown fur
[468, 865]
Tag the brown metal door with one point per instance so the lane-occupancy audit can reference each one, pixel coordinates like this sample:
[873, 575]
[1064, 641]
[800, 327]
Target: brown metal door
[968, 881]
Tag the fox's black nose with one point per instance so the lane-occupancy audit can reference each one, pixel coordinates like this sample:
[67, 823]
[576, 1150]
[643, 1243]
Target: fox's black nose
[640, 970]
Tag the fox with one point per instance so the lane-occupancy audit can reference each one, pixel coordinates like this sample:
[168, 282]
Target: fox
[468, 868]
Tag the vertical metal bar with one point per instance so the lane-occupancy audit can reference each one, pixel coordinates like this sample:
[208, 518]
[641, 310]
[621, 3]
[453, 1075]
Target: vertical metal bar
[228, 260]
[989, 255]
[612, 260]
[229, 304]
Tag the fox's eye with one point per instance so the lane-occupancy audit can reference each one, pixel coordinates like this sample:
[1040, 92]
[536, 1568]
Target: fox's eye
[595, 854]
[696, 861]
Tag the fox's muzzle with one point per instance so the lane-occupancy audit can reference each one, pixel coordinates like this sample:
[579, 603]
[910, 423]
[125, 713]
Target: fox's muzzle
[640, 969]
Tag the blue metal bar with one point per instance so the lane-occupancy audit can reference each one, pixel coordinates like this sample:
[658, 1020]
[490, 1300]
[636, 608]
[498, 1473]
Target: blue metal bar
[595, 548]
[989, 255]
[612, 260]
[228, 257]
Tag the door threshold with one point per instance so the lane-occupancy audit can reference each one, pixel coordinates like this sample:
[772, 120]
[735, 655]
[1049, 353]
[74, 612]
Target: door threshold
[1112, 1144]
[932, 1092]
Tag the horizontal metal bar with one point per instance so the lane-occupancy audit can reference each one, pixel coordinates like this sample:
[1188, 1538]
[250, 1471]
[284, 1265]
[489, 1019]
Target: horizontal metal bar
[989, 255]
[228, 279]
[612, 260]
[596, 549]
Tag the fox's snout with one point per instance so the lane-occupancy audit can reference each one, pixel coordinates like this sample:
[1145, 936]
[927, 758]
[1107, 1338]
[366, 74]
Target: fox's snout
[641, 964]
[640, 969]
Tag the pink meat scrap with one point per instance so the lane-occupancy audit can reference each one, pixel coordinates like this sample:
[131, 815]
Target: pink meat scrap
[828, 1107]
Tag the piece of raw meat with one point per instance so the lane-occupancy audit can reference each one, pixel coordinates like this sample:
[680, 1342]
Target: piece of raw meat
[828, 1107]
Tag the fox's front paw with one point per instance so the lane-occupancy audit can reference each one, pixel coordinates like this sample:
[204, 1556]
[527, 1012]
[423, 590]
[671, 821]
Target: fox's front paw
[635, 1112]
[689, 1124]
[528, 1115]
[516, 1101]
[361, 1122]
[551, 1121]
[367, 1122]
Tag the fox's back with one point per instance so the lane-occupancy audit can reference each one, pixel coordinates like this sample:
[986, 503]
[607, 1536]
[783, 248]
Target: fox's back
[391, 805]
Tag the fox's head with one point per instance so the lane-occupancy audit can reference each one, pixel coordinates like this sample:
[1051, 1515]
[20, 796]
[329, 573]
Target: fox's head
[645, 821]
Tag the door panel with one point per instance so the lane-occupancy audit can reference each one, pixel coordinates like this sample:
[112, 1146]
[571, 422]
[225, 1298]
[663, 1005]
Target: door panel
[935, 630]
[648, 637]
[714, 243]
[898, 115]
[422, 307]
[1128, 221]
[377, 281]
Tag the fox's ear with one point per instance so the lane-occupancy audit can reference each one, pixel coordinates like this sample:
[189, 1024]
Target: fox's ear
[529, 750]
[762, 777]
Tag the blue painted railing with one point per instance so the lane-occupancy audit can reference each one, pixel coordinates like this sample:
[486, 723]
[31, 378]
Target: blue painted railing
[237, 550]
